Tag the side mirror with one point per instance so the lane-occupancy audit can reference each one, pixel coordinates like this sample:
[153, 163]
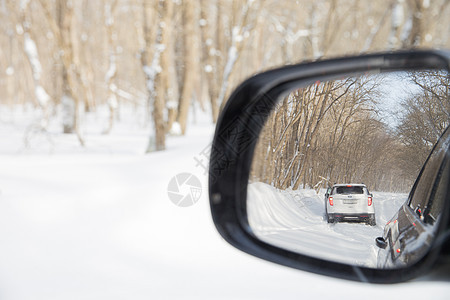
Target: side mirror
[380, 242]
[283, 131]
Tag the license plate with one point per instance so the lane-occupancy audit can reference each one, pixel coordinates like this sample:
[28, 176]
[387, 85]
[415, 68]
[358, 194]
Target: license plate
[349, 202]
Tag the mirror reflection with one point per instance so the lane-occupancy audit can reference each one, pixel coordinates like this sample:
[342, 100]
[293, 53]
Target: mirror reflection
[334, 170]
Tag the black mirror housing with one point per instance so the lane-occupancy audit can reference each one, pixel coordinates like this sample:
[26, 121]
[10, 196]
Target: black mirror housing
[235, 139]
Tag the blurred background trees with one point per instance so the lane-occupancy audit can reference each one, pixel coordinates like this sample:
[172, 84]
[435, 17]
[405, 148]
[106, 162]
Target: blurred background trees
[69, 58]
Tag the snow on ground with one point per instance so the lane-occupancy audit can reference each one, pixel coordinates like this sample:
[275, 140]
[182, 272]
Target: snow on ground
[295, 220]
[97, 223]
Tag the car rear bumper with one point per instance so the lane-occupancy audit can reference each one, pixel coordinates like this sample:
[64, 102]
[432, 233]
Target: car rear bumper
[352, 217]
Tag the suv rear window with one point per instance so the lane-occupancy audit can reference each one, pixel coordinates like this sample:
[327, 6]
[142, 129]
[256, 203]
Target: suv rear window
[348, 190]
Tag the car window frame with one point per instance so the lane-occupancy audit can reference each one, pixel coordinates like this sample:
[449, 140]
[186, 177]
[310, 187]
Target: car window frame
[445, 136]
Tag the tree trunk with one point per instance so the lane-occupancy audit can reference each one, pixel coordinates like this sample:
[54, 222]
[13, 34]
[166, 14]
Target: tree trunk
[112, 62]
[152, 71]
[168, 78]
[64, 15]
[190, 63]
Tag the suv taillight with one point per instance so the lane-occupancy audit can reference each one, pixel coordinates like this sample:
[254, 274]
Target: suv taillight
[369, 201]
[330, 199]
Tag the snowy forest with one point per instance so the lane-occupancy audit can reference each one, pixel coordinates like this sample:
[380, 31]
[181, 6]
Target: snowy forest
[66, 60]
[377, 129]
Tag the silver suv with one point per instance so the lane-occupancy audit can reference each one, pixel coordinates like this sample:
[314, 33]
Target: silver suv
[349, 202]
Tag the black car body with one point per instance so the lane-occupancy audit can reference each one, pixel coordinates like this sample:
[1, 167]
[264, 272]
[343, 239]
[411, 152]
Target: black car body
[409, 234]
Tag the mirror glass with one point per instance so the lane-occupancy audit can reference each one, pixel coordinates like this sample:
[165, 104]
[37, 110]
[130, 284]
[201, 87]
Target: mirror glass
[334, 170]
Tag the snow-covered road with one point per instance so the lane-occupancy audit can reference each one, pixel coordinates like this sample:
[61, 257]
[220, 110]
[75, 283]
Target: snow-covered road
[294, 220]
[97, 223]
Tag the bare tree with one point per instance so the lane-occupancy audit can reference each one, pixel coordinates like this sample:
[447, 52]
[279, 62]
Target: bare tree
[110, 75]
[150, 59]
[61, 27]
[190, 62]
[425, 116]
